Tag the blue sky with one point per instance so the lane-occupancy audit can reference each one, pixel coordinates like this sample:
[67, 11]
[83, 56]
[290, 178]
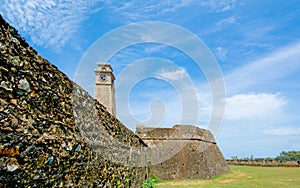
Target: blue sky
[255, 43]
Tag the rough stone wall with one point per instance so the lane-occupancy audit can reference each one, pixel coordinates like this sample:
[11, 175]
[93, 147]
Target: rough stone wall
[52, 133]
[193, 152]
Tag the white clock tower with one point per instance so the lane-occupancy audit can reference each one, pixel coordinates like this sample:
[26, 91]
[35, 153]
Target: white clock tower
[104, 87]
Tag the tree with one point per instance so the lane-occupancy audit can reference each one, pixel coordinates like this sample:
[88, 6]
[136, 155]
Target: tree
[289, 156]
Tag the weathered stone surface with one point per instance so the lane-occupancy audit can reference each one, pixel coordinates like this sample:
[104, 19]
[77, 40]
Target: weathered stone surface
[52, 133]
[183, 152]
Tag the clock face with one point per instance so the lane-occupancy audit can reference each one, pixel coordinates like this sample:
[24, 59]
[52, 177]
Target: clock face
[102, 77]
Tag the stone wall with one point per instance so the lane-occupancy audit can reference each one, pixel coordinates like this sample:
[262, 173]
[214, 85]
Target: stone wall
[183, 152]
[52, 133]
[263, 162]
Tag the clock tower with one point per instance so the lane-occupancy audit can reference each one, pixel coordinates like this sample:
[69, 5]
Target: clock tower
[104, 87]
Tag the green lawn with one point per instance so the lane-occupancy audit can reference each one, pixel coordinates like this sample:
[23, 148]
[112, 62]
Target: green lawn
[243, 177]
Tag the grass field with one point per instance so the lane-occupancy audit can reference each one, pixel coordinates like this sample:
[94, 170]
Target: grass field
[244, 176]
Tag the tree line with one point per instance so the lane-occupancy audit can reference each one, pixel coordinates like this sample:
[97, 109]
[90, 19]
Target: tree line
[288, 156]
[283, 156]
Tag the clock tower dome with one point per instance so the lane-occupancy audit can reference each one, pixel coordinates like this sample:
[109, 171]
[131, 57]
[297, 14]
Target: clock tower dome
[104, 87]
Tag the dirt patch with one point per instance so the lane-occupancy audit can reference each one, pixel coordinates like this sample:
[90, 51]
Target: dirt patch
[183, 183]
[240, 174]
[226, 181]
[229, 180]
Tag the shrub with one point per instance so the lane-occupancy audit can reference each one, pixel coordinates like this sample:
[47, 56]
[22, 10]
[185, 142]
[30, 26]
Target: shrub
[150, 183]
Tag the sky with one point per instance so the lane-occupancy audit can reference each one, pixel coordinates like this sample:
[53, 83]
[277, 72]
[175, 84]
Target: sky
[252, 47]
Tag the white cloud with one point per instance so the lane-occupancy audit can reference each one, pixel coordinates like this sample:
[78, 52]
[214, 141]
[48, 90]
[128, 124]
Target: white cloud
[221, 53]
[282, 131]
[254, 106]
[55, 22]
[141, 10]
[138, 10]
[221, 24]
[172, 75]
[227, 21]
[219, 5]
[274, 66]
[157, 48]
[48, 23]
